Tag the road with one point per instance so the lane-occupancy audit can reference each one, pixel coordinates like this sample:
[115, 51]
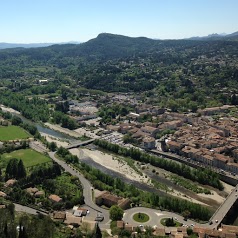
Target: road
[29, 210]
[82, 143]
[87, 187]
[225, 206]
[155, 215]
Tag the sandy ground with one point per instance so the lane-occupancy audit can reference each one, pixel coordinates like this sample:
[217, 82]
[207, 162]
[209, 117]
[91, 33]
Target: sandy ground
[55, 139]
[83, 131]
[7, 109]
[215, 196]
[227, 188]
[115, 164]
[63, 130]
[76, 133]
[110, 162]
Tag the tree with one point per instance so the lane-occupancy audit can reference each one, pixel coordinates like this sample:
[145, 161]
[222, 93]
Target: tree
[12, 168]
[21, 171]
[116, 213]
[16, 120]
[97, 231]
[186, 214]
[52, 146]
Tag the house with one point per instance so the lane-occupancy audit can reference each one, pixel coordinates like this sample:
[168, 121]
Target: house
[151, 131]
[172, 124]
[174, 146]
[39, 194]
[233, 167]
[55, 198]
[148, 142]
[214, 110]
[10, 182]
[59, 215]
[2, 194]
[79, 211]
[120, 224]
[220, 161]
[108, 199]
[31, 190]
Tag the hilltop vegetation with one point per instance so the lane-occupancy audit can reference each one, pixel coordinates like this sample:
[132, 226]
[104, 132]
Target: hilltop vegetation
[179, 74]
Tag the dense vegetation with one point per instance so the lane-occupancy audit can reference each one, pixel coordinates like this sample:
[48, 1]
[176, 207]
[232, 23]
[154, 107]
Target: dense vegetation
[179, 74]
[24, 226]
[201, 176]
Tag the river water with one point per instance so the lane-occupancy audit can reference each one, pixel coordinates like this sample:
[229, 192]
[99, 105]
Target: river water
[48, 131]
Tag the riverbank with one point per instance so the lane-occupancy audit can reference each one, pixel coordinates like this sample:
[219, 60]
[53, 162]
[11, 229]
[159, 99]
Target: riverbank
[118, 165]
[8, 109]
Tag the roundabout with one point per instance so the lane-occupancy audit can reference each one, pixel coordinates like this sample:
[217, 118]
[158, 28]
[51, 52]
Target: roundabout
[141, 217]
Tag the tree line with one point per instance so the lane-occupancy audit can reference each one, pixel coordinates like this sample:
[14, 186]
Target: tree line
[206, 176]
[104, 181]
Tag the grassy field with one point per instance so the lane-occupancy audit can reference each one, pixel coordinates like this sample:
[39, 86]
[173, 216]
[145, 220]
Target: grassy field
[28, 156]
[141, 217]
[12, 133]
[175, 223]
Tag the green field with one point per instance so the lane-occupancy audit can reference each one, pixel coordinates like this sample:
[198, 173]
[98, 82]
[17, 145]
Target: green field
[12, 133]
[141, 217]
[28, 156]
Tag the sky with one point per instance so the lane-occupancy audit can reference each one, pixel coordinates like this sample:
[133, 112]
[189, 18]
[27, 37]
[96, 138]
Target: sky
[41, 21]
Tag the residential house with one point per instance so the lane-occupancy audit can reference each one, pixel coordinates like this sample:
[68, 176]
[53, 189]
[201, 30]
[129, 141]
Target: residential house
[148, 142]
[174, 146]
[55, 198]
[108, 199]
[220, 161]
[150, 130]
[59, 215]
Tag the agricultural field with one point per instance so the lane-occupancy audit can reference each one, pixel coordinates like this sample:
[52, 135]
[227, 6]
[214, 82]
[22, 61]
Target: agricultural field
[29, 157]
[12, 133]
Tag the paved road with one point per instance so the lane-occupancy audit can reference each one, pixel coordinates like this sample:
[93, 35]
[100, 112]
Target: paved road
[75, 145]
[87, 188]
[154, 214]
[225, 206]
[155, 217]
[29, 210]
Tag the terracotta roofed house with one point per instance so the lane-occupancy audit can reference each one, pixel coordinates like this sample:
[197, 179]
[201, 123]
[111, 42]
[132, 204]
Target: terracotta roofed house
[55, 198]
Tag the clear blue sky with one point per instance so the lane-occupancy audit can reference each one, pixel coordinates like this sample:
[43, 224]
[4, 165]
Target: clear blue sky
[29, 21]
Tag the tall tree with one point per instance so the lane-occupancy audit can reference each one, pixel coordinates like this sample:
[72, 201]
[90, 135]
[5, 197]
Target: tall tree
[21, 171]
[97, 231]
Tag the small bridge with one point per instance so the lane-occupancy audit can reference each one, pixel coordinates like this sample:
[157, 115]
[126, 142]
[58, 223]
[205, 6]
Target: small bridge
[82, 143]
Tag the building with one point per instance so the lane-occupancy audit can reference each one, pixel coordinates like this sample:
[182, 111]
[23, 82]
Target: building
[148, 142]
[55, 198]
[59, 216]
[151, 131]
[107, 199]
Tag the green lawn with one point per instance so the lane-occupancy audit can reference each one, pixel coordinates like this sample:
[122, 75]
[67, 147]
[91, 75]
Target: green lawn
[28, 156]
[141, 217]
[12, 133]
[176, 223]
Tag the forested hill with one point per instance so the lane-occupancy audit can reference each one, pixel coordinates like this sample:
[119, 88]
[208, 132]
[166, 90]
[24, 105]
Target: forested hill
[199, 71]
[107, 46]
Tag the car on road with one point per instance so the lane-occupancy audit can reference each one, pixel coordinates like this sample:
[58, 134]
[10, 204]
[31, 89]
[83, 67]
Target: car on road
[99, 217]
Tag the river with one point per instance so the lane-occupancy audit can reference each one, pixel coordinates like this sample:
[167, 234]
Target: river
[42, 129]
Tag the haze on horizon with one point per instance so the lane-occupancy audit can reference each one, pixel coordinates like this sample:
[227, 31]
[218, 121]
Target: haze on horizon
[56, 21]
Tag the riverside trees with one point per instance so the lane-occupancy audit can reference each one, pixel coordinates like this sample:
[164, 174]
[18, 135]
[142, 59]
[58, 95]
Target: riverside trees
[206, 176]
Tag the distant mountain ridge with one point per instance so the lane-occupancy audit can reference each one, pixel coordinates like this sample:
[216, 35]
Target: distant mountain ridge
[216, 36]
[121, 39]
[4, 45]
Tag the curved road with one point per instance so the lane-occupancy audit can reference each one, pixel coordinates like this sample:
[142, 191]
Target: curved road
[87, 187]
[155, 215]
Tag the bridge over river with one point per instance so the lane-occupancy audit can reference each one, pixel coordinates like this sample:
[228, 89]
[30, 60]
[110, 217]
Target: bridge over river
[82, 143]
